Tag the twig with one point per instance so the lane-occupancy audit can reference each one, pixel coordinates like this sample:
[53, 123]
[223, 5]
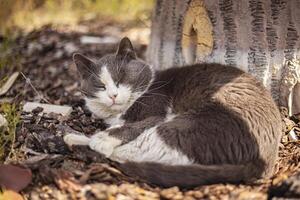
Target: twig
[9, 83]
[28, 81]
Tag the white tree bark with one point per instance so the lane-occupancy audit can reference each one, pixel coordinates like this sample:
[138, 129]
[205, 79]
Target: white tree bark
[258, 36]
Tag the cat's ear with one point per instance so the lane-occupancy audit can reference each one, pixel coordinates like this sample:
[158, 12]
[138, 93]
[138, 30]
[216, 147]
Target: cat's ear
[125, 49]
[85, 66]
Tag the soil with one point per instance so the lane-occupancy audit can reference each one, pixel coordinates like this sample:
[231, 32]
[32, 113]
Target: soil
[48, 75]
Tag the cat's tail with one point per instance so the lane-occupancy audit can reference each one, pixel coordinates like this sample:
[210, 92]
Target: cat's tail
[191, 175]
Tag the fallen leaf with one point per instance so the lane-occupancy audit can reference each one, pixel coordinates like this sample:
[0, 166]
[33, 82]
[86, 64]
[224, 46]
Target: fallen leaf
[14, 178]
[10, 195]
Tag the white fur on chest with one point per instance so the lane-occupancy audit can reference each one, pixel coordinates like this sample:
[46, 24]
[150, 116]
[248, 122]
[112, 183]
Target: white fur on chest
[116, 121]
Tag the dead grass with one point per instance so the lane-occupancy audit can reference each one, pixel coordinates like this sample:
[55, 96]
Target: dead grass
[33, 14]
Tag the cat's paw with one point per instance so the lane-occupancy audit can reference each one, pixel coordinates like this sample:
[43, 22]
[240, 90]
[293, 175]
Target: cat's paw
[104, 144]
[73, 139]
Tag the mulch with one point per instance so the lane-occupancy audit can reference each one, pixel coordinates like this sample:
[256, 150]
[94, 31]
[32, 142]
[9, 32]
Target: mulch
[48, 75]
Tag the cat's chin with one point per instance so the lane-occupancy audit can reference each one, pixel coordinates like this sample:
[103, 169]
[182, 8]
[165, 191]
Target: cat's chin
[118, 107]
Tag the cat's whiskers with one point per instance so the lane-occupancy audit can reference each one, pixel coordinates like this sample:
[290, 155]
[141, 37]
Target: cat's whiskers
[141, 87]
[145, 86]
[165, 98]
[133, 100]
[83, 92]
[141, 70]
[150, 94]
[144, 104]
[166, 83]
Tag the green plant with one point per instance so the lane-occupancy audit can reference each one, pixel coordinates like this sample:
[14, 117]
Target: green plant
[5, 47]
[8, 134]
[9, 59]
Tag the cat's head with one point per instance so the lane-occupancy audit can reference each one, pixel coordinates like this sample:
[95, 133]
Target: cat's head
[112, 83]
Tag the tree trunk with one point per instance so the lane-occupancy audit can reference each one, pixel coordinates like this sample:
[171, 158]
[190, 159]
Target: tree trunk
[258, 36]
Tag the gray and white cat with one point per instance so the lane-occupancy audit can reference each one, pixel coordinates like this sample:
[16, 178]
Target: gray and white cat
[200, 124]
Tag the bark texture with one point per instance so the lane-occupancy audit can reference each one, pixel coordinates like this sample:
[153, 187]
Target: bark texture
[258, 36]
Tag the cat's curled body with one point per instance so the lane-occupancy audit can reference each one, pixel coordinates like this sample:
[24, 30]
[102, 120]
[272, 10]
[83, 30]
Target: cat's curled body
[199, 124]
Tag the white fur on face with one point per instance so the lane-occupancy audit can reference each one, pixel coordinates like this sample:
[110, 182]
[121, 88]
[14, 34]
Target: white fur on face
[103, 106]
[122, 92]
[121, 101]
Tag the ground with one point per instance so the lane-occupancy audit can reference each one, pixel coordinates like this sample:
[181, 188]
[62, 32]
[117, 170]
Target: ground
[47, 74]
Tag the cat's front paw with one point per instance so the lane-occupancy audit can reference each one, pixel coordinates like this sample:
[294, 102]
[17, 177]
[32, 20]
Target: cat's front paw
[104, 144]
[73, 139]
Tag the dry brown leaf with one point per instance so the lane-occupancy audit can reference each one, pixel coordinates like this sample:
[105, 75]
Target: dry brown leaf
[14, 178]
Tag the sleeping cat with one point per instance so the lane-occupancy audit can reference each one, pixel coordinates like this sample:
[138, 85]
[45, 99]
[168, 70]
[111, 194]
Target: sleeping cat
[200, 124]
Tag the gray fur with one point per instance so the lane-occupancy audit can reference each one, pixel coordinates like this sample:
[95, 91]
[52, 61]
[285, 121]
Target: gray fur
[225, 120]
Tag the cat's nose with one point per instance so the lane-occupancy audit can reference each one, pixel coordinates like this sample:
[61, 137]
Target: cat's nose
[113, 97]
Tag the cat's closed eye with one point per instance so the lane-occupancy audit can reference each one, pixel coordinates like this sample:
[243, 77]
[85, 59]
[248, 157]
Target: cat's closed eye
[101, 87]
[117, 83]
